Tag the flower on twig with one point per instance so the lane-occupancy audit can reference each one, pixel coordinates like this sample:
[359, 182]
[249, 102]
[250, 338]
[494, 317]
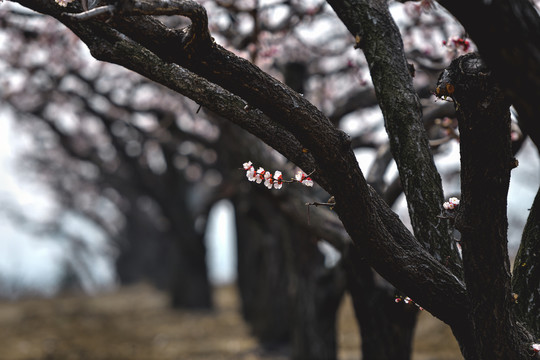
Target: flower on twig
[275, 180]
[407, 300]
[63, 3]
[301, 177]
[451, 204]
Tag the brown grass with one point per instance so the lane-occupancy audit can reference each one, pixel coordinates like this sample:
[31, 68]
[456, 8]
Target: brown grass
[135, 323]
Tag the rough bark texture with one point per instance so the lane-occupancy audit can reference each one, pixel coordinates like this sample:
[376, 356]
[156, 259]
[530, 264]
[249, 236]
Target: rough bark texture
[380, 319]
[526, 274]
[379, 38]
[486, 161]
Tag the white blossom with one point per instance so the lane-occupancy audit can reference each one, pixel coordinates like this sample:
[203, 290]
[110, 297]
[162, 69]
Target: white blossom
[63, 3]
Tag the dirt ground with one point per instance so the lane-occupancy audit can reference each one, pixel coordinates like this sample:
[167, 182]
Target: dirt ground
[135, 323]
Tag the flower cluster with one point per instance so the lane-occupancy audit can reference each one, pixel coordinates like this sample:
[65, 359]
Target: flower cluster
[63, 3]
[457, 43]
[451, 204]
[273, 180]
[407, 300]
[535, 348]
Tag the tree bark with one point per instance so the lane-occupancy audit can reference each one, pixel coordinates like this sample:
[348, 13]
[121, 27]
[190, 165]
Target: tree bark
[526, 274]
[381, 320]
[263, 280]
[486, 160]
[317, 291]
[371, 23]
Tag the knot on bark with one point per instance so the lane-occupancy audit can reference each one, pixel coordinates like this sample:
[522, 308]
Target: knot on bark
[466, 76]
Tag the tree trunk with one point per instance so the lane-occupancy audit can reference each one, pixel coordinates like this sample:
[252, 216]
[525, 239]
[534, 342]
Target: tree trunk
[144, 251]
[486, 161]
[526, 275]
[190, 286]
[317, 291]
[382, 322]
[263, 279]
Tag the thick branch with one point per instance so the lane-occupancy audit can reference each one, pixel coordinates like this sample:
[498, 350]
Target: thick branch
[486, 161]
[197, 32]
[378, 36]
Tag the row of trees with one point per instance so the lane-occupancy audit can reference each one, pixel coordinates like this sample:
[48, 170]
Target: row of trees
[161, 162]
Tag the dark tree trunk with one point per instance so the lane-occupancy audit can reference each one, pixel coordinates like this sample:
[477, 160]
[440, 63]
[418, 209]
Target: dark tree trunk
[526, 275]
[263, 279]
[316, 289]
[190, 286]
[317, 292]
[288, 295]
[144, 251]
[486, 161]
[382, 322]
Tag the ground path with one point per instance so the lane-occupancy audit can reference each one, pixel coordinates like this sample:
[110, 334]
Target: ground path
[135, 323]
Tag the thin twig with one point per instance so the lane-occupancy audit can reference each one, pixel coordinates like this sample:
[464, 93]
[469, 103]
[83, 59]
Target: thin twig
[92, 13]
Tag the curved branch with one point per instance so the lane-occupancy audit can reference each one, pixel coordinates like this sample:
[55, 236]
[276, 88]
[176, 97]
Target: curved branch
[196, 33]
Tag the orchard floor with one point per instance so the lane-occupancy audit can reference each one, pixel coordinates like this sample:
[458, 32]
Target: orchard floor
[135, 323]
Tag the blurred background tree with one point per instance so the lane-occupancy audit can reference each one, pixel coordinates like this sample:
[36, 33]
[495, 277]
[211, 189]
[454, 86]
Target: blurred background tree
[146, 166]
